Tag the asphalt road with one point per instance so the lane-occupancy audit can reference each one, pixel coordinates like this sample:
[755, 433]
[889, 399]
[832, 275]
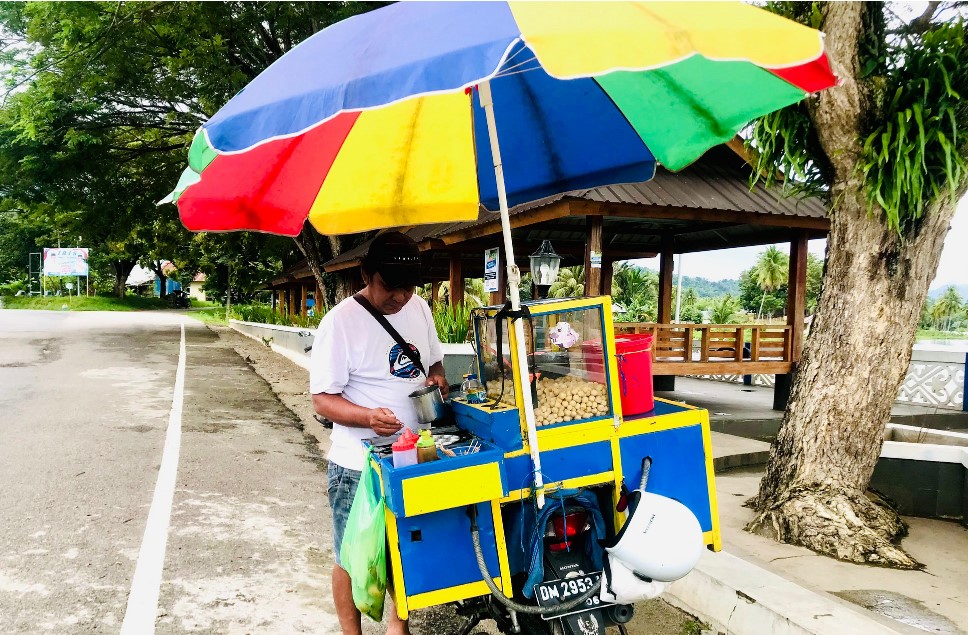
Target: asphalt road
[127, 502]
[85, 405]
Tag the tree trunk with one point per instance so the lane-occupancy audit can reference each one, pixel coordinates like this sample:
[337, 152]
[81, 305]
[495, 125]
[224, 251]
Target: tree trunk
[814, 492]
[122, 269]
[317, 253]
[162, 278]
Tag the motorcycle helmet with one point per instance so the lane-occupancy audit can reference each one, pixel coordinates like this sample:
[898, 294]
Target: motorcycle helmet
[661, 540]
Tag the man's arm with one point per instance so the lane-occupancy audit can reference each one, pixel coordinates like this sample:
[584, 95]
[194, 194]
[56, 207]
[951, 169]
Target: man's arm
[338, 409]
[435, 375]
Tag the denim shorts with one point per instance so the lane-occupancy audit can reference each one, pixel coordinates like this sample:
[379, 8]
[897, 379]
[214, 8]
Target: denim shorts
[342, 489]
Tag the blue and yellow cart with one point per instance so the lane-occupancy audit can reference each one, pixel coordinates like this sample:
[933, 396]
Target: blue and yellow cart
[587, 444]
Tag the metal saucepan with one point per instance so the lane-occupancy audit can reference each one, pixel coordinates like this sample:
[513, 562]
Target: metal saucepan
[429, 404]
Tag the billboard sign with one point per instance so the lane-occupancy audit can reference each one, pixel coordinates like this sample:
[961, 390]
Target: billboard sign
[69, 261]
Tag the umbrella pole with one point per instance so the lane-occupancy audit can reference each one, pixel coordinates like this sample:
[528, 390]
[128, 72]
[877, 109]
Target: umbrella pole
[514, 291]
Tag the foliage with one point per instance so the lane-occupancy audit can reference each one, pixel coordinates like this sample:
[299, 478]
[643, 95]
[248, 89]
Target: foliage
[948, 312]
[103, 100]
[263, 314]
[453, 323]
[912, 153]
[634, 286]
[724, 310]
[569, 284]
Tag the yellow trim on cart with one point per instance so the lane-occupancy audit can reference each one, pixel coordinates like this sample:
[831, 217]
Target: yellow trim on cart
[570, 304]
[646, 425]
[578, 434]
[614, 386]
[717, 539]
[501, 543]
[396, 567]
[450, 594]
[618, 518]
[518, 495]
[453, 488]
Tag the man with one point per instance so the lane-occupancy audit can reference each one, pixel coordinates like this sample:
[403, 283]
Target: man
[361, 380]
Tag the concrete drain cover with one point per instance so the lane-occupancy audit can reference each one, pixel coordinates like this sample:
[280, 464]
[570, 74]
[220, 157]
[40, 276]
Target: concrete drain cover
[903, 609]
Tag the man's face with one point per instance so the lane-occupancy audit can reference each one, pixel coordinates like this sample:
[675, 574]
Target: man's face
[386, 300]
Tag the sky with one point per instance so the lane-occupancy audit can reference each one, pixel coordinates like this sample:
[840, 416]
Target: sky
[729, 263]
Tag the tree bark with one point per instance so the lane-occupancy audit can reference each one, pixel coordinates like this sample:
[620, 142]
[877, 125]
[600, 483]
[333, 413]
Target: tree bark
[814, 492]
[122, 269]
[158, 268]
[318, 252]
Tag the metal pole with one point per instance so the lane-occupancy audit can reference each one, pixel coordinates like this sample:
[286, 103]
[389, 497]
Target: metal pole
[514, 291]
[679, 289]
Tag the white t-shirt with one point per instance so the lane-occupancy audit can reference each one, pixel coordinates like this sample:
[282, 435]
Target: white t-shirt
[354, 356]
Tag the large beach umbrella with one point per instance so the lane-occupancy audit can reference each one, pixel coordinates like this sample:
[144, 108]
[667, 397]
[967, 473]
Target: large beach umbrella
[422, 112]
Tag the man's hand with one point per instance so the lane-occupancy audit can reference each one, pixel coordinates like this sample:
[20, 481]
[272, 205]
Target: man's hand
[440, 381]
[384, 422]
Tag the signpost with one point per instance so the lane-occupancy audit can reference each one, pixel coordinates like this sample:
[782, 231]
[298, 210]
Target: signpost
[491, 263]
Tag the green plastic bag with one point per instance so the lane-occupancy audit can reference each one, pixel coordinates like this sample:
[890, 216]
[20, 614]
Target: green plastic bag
[363, 552]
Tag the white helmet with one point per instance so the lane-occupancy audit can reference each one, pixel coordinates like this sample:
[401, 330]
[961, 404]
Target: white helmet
[661, 540]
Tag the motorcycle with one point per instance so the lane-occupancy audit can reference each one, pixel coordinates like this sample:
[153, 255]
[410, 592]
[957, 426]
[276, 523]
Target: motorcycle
[179, 300]
[566, 599]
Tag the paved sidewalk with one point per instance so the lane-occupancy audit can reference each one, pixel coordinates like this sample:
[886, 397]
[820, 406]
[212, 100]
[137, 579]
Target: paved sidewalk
[741, 584]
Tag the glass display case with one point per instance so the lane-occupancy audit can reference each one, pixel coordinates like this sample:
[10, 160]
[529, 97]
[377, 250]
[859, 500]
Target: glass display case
[568, 370]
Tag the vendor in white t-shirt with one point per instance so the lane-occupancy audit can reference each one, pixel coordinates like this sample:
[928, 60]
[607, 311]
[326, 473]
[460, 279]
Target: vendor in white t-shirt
[361, 379]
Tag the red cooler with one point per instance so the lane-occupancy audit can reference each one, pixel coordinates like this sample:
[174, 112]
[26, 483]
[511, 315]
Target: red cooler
[634, 356]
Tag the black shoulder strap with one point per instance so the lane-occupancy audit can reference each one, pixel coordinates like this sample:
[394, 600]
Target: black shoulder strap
[411, 350]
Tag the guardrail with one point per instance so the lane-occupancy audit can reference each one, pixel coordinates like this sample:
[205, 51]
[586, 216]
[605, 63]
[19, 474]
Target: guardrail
[704, 349]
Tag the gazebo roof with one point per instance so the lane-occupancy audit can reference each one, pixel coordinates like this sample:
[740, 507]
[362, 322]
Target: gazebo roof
[709, 205]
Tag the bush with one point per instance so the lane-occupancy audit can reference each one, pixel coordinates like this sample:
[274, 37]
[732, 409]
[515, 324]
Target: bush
[453, 323]
[263, 314]
[11, 288]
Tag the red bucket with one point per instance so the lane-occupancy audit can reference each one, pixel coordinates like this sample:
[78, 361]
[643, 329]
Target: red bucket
[634, 356]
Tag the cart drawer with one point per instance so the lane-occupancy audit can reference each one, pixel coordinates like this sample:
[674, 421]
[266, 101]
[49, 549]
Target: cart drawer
[444, 484]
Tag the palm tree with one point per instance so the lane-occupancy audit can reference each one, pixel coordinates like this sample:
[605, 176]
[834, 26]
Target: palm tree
[629, 284]
[946, 308]
[724, 310]
[772, 269]
[570, 283]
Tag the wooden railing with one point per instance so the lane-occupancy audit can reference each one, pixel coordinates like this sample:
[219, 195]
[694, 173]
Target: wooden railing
[712, 349]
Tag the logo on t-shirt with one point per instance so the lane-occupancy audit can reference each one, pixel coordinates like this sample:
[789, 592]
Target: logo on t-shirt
[401, 363]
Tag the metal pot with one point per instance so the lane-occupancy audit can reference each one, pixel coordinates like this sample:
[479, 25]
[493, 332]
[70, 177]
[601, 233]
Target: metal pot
[429, 404]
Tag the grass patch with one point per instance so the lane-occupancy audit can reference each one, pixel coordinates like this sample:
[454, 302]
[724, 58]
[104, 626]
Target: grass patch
[210, 315]
[931, 334]
[84, 303]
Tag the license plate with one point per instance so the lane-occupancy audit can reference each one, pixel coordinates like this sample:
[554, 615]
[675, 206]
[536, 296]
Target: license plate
[557, 592]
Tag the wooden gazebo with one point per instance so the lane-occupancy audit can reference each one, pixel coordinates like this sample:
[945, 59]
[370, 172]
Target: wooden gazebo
[708, 206]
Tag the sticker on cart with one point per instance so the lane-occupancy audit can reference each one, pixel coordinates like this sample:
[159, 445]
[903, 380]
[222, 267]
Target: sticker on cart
[563, 335]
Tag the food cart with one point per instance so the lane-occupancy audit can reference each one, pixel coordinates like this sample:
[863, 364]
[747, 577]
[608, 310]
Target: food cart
[584, 439]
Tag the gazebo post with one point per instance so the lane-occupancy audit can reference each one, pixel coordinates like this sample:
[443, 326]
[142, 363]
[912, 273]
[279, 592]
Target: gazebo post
[302, 299]
[796, 303]
[593, 273]
[608, 270]
[456, 280]
[666, 265]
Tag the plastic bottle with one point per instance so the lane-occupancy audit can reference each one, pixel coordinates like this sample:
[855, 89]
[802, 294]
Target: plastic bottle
[426, 448]
[473, 390]
[405, 450]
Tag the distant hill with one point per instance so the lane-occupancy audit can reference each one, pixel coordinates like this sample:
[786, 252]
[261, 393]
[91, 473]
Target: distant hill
[934, 293]
[707, 288]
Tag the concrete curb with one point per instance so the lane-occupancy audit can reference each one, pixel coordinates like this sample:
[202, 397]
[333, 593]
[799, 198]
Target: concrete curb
[736, 597]
[296, 358]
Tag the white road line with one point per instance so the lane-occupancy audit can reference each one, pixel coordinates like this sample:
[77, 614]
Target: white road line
[142, 609]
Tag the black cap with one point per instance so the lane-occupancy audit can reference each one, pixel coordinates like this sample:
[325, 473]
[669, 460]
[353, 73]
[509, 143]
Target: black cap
[396, 258]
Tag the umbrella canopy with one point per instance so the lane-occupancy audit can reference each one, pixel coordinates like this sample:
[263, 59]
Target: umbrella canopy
[375, 121]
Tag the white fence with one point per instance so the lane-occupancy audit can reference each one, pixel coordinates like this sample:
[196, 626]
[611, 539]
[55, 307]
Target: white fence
[936, 378]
